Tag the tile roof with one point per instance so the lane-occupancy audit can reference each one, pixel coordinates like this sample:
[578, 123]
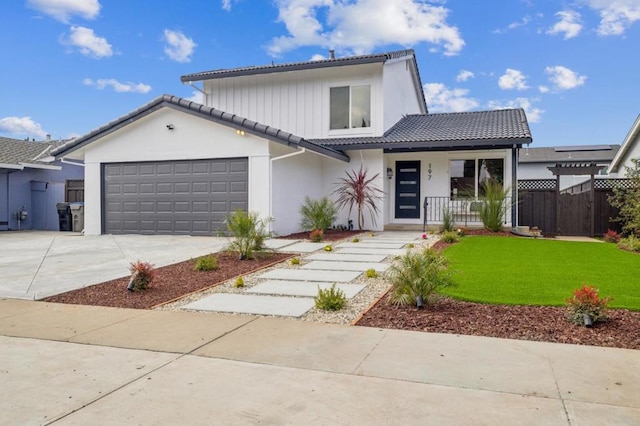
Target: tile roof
[221, 117]
[296, 66]
[574, 154]
[459, 130]
[16, 151]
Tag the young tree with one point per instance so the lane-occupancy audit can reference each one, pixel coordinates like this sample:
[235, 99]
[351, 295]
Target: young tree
[357, 189]
[628, 201]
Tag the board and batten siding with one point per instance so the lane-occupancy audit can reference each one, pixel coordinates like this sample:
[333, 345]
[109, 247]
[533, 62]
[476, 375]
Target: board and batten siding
[297, 101]
[400, 97]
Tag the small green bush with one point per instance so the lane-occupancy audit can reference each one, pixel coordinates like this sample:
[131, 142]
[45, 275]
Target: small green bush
[494, 205]
[450, 237]
[410, 245]
[142, 275]
[418, 275]
[328, 247]
[371, 273]
[586, 301]
[295, 261]
[318, 214]
[206, 263]
[331, 299]
[355, 240]
[447, 220]
[249, 233]
[239, 282]
[631, 243]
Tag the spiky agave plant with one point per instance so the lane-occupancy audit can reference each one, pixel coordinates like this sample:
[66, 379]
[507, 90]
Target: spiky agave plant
[357, 189]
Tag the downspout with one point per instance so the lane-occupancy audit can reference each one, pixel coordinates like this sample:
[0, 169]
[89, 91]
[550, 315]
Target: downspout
[514, 186]
[282, 157]
[8, 200]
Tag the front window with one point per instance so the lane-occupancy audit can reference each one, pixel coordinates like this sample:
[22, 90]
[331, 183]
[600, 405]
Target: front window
[468, 176]
[350, 107]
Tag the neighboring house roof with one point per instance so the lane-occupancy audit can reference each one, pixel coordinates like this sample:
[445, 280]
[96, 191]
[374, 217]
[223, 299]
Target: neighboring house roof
[18, 154]
[309, 65]
[221, 117]
[632, 138]
[569, 154]
[446, 131]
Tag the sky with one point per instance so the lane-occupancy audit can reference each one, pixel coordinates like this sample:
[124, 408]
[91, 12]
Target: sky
[70, 66]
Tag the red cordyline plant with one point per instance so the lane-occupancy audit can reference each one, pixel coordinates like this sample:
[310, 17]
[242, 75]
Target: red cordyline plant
[586, 301]
[357, 189]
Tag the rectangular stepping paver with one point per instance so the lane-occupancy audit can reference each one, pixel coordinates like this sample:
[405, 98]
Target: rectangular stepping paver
[254, 304]
[378, 245]
[345, 257]
[302, 288]
[311, 275]
[279, 243]
[304, 247]
[345, 266]
[366, 250]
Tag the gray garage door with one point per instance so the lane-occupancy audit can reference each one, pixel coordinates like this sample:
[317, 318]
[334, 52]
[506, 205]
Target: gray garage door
[173, 197]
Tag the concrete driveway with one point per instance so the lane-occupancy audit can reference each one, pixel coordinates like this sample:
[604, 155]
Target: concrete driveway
[37, 264]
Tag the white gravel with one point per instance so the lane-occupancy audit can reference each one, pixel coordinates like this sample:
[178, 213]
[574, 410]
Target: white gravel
[375, 288]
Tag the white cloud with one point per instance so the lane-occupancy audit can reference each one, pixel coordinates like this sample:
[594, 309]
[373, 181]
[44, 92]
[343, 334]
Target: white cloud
[533, 113]
[563, 78]
[512, 26]
[317, 57]
[569, 24]
[226, 4]
[88, 43]
[513, 80]
[359, 26]
[442, 99]
[117, 86]
[22, 126]
[464, 75]
[543, 89]
[62, 10]
[179, 47]
[196, 97]
[616, 16]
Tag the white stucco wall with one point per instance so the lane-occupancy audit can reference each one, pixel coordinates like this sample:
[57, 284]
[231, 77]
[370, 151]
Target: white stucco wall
[399, 93]
[148, 139]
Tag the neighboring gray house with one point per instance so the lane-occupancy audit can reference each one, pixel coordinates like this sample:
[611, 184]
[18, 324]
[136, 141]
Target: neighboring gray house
[32, 182]
[268, 136]
[533, 163]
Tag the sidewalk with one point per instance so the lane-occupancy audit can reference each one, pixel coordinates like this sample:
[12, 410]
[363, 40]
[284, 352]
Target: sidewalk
[66, 364]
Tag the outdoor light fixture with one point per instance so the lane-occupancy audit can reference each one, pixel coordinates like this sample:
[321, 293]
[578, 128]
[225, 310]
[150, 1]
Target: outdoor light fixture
[170, 127]
[240, 132]
[389, 173]
[419, 302]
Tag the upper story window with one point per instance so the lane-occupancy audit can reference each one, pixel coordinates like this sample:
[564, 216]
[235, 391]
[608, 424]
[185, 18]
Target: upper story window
[467, 176]
[350, 107]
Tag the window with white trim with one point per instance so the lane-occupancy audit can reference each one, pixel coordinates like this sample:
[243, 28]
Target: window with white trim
[350, 107]
[467, 176]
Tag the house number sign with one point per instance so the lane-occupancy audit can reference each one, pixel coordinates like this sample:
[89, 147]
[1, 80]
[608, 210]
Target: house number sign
[429, 172]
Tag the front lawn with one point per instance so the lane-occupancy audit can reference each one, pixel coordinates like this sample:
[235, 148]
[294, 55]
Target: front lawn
[520, 271]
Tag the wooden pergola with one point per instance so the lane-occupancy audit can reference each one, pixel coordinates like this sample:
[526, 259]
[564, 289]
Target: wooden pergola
[575, 169]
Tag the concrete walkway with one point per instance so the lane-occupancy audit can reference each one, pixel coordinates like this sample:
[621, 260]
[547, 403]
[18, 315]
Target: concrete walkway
[79, 365]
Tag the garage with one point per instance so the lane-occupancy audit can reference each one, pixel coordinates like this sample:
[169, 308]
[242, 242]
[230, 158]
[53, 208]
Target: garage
[187, 197]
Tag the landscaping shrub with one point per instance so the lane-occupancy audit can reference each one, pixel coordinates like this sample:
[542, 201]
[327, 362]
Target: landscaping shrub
[142, 276]
[611, 236]
[331, 299]
[631, 243]
[371, 273]
[249, 233]
[418, 275]
[328, 247]
[494, 205]
[206, 263]
[355, 240]
[627, 199]
[239, 282]
[316, 235]
[447, 220]
[295, 261]
[450, 237]
[357, 189]
[318, 214]
[585, 300]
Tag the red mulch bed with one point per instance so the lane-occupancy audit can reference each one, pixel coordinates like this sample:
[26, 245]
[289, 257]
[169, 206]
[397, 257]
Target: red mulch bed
[330, 235]
[539, 323]
[171, 282]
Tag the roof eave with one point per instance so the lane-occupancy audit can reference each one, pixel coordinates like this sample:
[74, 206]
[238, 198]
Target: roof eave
[438, 145]
[634, 133]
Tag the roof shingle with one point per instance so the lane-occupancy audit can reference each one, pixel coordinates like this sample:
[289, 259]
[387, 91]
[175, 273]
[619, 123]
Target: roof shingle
[17, 151]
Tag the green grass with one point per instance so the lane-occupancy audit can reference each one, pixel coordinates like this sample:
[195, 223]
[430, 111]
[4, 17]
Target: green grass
[519, 271]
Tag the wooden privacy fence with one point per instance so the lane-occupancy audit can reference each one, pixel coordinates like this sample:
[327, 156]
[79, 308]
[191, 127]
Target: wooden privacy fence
[538, 206]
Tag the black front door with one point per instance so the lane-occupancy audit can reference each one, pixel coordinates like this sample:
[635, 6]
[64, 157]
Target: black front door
[407, 189]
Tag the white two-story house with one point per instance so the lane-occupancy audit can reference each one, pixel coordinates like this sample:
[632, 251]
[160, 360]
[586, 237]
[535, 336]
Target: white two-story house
[266, 137]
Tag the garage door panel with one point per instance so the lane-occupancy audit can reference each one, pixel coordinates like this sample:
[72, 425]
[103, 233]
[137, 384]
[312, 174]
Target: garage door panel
[175, 197]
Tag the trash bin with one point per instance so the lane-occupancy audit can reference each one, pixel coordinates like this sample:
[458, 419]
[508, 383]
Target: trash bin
[77, 216]
[64, 216]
